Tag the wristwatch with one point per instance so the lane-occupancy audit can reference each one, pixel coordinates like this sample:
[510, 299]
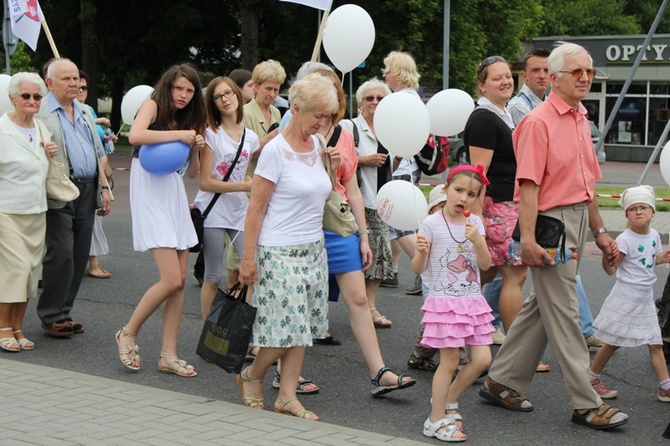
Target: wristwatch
[597, 232]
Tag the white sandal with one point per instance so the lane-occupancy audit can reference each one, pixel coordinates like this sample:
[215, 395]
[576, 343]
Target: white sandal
[431, 429]
[24, 343]
[9, 344]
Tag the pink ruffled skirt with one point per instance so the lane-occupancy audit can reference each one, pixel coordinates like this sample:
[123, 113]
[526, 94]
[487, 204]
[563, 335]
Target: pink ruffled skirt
[456, 321]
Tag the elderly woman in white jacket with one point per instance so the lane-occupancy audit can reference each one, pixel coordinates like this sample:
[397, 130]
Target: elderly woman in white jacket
[23, 205]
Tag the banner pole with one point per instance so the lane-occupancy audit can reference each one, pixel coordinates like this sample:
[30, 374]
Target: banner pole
[317, 45]
[47, 32]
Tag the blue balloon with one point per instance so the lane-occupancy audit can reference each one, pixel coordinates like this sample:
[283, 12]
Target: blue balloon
[165, 158]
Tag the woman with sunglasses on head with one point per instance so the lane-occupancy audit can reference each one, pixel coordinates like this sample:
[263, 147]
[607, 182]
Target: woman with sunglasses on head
[23, 205]
[375, 170]
[488, 140]
[225, 137]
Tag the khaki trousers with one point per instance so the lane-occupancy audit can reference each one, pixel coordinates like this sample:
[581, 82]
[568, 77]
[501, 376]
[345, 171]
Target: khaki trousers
[551, 314]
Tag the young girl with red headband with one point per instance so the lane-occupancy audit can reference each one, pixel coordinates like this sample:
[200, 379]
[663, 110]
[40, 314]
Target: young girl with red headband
[451, 247]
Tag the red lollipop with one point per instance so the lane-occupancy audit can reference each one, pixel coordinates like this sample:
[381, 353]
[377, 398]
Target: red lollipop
[466, 213]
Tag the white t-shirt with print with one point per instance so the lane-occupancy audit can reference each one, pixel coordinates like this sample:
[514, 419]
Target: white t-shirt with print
[231, 207]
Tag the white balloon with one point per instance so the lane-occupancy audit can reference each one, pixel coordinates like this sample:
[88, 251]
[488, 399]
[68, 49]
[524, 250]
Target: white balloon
[402, 124]
[449, 111]
[5, 103]
[132, 100]
[401, 205]
[348, 37]
[664, 162]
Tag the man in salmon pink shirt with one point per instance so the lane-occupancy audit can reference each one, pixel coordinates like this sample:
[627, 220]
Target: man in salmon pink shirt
[556, 174]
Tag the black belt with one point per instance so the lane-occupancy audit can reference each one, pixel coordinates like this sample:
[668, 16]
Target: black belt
[83, 180]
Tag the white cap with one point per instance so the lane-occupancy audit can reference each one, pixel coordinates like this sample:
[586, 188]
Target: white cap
[436, 196]
[638, 194]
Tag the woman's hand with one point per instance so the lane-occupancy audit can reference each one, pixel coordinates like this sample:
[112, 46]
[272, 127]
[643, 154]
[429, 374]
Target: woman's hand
[198, 143]
[50, 148]
[248, 272]
[334, 155]
[366, 252]
[187, 137]
[374, 160]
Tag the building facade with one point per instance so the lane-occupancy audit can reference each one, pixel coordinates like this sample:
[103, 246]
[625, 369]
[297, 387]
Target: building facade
[645, 110]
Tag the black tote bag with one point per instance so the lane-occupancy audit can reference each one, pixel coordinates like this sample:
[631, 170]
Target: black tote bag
[227, 330]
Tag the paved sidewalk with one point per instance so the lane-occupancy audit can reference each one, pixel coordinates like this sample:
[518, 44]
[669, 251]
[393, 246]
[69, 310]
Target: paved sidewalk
[48, 406]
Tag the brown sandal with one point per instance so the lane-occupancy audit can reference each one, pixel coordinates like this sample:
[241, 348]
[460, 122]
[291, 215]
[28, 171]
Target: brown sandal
[603, 417]
[253, 401]
[504, 396]
[381, 321]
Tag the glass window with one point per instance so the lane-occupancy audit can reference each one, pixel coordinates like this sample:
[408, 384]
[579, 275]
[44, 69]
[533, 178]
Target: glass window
[659, 88]
[659, 112]
[634, 88]
[628, 125]
[596, 87]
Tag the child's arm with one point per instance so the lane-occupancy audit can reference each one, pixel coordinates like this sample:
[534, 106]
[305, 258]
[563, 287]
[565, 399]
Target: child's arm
[611, 269]
[479, 243]
[665, 258]
[420, 259]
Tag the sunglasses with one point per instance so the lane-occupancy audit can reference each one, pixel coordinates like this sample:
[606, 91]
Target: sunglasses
[372, 98]
[26, 97]
[577, 72]
[83, 88]
[489, 61]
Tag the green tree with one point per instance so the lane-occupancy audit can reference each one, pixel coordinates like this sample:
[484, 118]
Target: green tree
[589, 18]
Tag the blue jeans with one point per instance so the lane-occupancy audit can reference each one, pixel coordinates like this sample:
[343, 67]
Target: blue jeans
[585, 316]
[492, 293]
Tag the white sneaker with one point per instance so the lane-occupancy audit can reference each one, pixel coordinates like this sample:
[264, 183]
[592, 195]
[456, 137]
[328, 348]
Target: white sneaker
[498, 337]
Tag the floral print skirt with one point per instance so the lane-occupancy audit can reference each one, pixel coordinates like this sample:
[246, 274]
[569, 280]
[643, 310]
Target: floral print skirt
[291, 296]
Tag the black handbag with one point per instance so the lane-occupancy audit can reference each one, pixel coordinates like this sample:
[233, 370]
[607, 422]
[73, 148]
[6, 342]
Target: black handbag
[549, 232]
[197, 217]
[227, 330]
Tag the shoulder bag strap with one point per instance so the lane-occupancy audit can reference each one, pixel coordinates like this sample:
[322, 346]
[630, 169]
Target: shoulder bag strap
[230, 171]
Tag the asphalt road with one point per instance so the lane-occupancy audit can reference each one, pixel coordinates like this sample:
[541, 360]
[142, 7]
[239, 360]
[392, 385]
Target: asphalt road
[103, 306]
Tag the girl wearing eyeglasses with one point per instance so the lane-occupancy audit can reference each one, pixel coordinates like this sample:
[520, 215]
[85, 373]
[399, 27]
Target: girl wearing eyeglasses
[628, 315]
[224, 137]
[23, 205]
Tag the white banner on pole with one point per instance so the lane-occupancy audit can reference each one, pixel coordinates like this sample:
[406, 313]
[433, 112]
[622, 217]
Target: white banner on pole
[323, 5]
[26, 17]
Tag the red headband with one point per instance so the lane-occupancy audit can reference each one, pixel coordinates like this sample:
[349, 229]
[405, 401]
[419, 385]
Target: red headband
[479, 170]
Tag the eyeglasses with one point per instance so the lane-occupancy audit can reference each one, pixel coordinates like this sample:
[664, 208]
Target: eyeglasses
[36, 97]
[577, 72]
[372, 98]
[489, 61]
[83, 88]
[635, 209]
[225, 94]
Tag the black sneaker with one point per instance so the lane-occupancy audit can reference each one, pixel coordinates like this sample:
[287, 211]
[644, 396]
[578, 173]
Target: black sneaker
[415, 289]
[423, 363]
[390, 283]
